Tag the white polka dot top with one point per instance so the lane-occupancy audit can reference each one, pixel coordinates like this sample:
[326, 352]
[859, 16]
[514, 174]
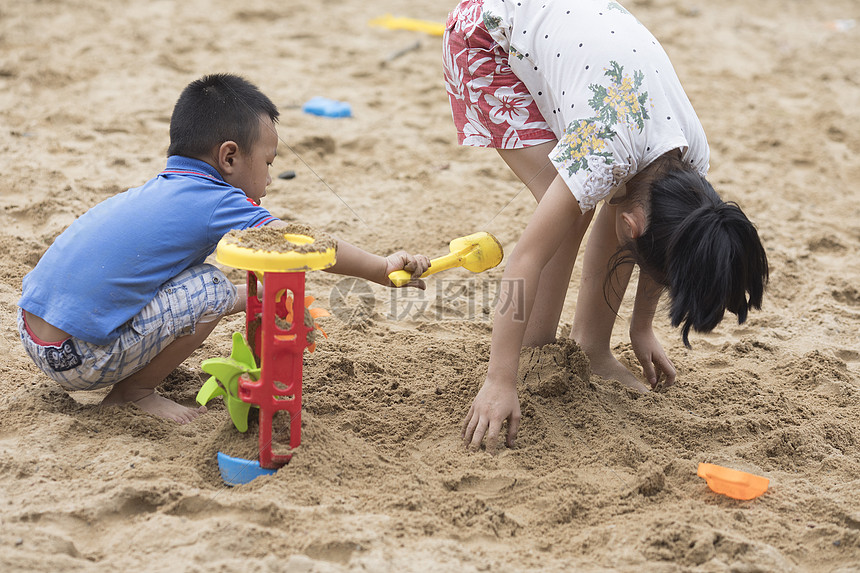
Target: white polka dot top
[605, 87]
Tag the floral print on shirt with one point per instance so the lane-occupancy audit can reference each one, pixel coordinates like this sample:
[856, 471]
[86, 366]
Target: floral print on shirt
[618, 102]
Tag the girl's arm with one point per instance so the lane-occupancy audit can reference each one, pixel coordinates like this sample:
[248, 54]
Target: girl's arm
[497, 400]
[655, 363]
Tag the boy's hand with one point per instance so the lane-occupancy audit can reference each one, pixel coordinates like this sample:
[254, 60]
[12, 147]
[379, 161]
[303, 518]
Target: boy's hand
[494, 404]
[656, 366]
[416, 265]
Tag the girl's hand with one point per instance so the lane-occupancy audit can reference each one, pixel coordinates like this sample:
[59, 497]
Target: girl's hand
[417, 265]
[494, 404]
[656, 366]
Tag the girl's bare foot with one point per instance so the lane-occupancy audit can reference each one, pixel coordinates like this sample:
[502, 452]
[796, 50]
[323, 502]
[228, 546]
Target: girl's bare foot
[156, 404]
[608, 367]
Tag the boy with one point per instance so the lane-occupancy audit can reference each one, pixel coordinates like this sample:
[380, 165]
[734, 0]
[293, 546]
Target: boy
[123, 296]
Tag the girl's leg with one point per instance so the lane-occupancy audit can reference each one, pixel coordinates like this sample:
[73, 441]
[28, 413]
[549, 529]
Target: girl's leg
[594, 318]
[533, 167]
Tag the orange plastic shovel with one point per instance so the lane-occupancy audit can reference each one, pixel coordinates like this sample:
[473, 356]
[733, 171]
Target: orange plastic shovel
[477, 252]
[733, 483]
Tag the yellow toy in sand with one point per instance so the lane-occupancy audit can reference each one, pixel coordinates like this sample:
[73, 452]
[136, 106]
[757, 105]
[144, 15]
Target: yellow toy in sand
[411, 24]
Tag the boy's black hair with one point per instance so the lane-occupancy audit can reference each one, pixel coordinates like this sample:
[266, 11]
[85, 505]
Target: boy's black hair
[705, 251]
[214, 109]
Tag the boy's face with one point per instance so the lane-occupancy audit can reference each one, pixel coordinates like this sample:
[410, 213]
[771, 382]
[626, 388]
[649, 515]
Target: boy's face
[251, 168]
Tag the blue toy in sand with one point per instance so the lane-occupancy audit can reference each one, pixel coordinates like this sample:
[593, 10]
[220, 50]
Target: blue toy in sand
[237, 471]
[327, 107]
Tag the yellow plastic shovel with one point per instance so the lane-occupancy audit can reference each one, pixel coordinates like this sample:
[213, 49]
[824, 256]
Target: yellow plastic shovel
[477, 252]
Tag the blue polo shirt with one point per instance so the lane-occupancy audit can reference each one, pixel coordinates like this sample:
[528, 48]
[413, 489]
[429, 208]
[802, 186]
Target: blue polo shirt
[109, 263]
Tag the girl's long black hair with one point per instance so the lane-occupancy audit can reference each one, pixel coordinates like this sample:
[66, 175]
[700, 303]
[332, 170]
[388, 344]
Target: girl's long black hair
[704, 251]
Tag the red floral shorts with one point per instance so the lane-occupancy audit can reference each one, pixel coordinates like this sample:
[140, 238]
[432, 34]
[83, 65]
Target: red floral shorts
[490, 105]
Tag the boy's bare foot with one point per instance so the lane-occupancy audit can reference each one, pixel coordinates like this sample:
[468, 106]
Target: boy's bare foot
[158, 405]
[609, 368]
[163, 407]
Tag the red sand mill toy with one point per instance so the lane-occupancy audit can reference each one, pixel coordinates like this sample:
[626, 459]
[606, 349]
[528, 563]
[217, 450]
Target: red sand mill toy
[276, 385]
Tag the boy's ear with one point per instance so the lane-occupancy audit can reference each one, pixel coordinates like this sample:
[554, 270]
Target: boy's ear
[226, 157]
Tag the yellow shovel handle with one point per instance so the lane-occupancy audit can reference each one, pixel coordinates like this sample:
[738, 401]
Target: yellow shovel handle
[451, 260]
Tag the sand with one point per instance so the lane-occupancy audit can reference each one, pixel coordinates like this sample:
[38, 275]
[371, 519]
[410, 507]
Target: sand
[600, 478]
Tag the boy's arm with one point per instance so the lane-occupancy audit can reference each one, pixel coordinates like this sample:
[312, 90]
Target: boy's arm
[655, 363]
[497, 399]
[357, 262]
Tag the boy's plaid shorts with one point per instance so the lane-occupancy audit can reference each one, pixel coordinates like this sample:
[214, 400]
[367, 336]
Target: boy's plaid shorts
[198, 294]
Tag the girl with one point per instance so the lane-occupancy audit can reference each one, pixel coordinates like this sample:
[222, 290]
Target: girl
[582, 103]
